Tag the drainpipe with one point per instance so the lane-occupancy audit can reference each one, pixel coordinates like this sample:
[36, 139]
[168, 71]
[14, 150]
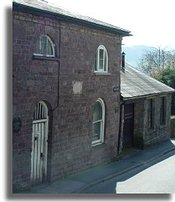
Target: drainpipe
[59, 56]
[121, 123]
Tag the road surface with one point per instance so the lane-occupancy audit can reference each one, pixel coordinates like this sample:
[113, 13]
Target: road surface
[157, 178]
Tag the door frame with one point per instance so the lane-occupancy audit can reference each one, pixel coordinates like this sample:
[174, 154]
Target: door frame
[129, 116]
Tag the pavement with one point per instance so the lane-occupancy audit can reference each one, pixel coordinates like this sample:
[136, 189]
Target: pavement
[127, 161]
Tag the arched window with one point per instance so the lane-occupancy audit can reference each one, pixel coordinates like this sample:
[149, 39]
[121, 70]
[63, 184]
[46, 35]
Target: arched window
[45, 47]
[98, 122]
[101, 59]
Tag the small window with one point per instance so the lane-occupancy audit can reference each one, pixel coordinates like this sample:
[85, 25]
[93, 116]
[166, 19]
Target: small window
[150, 113]
[98, 122]
[45, 47]
[163, 111]
[101, 59]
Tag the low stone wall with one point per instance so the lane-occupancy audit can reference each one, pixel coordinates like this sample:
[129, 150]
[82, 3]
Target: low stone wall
[172, 126]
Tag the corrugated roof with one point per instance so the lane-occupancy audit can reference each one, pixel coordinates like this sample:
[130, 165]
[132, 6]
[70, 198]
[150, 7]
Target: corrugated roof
[47, 7]
[135, 84]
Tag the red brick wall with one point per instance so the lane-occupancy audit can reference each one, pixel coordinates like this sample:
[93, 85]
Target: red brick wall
[34, 79]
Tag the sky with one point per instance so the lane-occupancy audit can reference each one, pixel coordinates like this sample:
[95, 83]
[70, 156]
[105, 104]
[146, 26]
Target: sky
[151, 22]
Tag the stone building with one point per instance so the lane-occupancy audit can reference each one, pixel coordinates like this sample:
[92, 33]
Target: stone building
[66, 92]
[145, 109]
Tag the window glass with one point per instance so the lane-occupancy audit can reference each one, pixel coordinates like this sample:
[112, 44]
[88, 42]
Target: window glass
[97, 115]
[101, 60]
[44, 46]
[105, 62]
[97, 131]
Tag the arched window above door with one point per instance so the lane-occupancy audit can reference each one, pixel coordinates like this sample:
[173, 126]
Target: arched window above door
[44, 47]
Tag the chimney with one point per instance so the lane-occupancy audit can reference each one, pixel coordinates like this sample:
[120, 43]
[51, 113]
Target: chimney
[123, 61]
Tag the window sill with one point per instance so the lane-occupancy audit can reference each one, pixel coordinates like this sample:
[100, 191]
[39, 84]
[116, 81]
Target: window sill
[97, 144]
[42, 57]
[102, 73]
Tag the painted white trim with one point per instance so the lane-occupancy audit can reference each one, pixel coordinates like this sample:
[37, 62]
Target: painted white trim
[102, 73]
[40, 121]
[43, 55]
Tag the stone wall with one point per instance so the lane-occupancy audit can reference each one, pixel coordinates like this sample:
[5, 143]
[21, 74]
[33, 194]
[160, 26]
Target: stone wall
[144, 136]
[159, 132]
[70, 88]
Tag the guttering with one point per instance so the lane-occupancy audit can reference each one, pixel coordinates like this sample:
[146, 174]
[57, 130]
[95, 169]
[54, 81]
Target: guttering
[147, 95]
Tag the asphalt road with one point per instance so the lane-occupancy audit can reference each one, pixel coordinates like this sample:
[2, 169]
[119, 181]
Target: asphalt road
[154, 178]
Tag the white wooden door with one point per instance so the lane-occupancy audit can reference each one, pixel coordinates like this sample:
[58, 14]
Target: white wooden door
[39, 144]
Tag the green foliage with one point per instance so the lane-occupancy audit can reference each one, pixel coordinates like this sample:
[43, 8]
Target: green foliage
[166, 76]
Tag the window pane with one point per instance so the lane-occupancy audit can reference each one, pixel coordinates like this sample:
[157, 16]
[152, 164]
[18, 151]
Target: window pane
[101, 54]
[49, 48]
[101, 64]
[44, 46]
[97, 114]
[101, 58]
[96, 131]
[105, 62]
[96, 61]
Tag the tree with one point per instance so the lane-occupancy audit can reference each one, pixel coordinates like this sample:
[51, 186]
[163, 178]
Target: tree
[160, 64]
[167, 76]
[155, 60]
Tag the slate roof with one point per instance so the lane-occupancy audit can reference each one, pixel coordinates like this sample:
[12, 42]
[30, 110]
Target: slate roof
[44, 7]
[135, 84]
